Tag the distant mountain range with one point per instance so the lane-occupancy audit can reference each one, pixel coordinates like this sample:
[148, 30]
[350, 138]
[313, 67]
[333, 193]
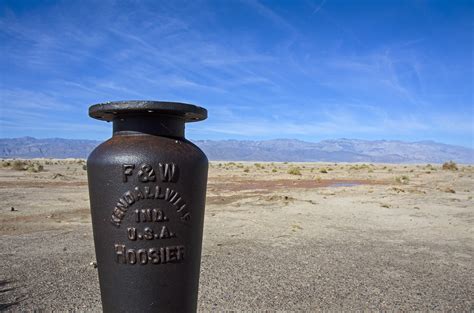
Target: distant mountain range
[337, 150]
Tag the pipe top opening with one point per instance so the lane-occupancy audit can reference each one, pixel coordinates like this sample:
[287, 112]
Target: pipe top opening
[108, 111]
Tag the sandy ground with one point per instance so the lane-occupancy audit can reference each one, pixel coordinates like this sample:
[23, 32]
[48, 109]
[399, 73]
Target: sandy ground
[337, 237]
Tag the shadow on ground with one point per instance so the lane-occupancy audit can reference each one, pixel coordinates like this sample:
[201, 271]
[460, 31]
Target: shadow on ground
[5, 288]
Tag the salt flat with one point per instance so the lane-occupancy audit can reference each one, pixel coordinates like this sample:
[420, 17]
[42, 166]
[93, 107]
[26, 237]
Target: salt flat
[277, 236]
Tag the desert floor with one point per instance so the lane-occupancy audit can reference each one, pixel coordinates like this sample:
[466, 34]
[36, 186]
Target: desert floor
[332, 237]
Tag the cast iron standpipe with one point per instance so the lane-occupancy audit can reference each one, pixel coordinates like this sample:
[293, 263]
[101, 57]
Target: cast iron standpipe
[147, 187]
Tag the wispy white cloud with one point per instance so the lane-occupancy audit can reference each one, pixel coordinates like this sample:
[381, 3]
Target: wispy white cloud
[272, 16]
[27, 100]
[319, 7]
[289, 82]
[350, 120]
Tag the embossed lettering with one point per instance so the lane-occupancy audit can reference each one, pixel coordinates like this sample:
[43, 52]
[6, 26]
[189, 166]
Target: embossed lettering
[142, 193]
[165, 233]
[115, 220]
[169, 193]
[150, 215]
[131, 256]
[162, 255]
[132, 233]
[146, 173]
[181, 208]
[153, 256]
[142, 256]
[119, 213]
[128, 197]
[120, 252]
[138, 194]
[122, 204]
[127, 171]
[158, 194]
[148, 194]
[186, 216]
[167, 172]
[148, 233]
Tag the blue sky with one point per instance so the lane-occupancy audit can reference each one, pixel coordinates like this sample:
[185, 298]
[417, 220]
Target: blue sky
[309, 70]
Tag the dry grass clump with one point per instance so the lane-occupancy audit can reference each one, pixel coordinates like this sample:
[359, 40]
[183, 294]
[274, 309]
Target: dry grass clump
[294, 171]
[49, 162]
[359, 167]
[35, 167]
[402, 179]
[430, 167]
[19, 165]
[25, 165]
[450, 166]
[323, 170]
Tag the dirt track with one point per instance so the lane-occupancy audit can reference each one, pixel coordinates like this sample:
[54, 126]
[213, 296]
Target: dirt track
[353, 238]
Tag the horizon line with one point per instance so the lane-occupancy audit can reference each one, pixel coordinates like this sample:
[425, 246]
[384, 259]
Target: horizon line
[273, 139]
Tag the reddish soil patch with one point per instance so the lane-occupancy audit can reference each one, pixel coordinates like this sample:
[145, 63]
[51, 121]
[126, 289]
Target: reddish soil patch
[269, 185]
[40, 184]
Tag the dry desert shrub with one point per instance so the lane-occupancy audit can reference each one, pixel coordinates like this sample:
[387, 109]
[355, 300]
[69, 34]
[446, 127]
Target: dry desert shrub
[34, 167]
[323, 170]
[294, 171]
[359, 167]
[450, 166]
[19, 165]
[24, 165]
[402, 179]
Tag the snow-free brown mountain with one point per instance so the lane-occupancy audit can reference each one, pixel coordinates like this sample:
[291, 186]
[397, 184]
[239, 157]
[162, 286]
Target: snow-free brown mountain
[337, 150]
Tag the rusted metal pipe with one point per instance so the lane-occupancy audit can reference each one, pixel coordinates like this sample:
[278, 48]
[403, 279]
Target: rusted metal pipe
[147, 187]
